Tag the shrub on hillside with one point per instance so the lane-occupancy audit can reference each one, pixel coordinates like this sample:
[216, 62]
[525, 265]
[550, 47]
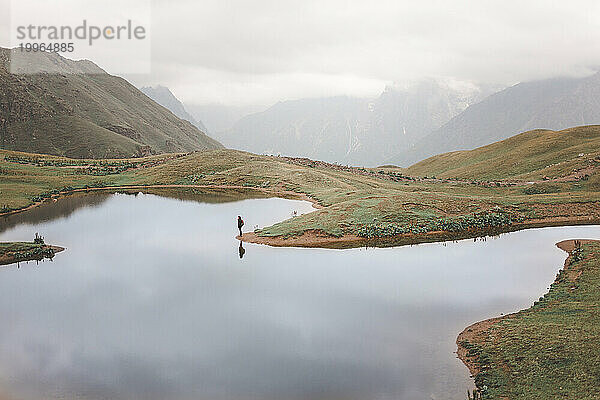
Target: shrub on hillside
[542, 188]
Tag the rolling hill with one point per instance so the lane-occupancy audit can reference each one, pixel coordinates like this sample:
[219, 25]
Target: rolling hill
[554, 104]
[75, 109]
[531, 155]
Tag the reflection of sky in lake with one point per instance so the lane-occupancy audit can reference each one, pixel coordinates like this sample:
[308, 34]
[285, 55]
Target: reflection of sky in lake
[151, 301]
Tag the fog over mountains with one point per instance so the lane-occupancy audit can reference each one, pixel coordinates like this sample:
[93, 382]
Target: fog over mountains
[220, 117]
[554, 104]
[353, 130]
[163, 96]
[405, 125]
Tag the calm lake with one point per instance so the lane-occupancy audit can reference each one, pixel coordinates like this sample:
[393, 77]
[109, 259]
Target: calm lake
[151, 300]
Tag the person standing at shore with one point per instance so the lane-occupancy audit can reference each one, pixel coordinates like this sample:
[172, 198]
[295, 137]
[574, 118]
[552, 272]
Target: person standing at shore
[240, 223]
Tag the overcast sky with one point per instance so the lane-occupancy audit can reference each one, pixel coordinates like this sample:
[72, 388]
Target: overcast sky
[262, 51]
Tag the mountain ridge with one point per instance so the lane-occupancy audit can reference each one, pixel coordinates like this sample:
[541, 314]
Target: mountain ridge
[553, 104]
[349, 130]
[163, 96]
[76, 109]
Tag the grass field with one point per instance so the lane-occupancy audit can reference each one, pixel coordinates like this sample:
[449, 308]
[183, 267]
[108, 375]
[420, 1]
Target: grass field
[549, 351]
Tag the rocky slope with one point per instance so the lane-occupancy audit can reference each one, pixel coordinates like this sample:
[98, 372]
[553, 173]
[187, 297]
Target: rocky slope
[75, 109]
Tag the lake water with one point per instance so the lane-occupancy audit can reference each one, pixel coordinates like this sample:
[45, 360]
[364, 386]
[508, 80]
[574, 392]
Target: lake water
[151, 300]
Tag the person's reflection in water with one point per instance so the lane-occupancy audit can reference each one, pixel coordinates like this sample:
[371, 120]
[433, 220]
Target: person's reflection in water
[241, 250]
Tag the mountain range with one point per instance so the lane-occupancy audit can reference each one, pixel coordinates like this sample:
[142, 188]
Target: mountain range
[553, 104]
[76, 109]
[219, 118]
[405, 125]
[350, 130]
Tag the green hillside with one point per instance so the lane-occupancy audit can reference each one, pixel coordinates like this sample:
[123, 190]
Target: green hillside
[531, 155]
[80, 111]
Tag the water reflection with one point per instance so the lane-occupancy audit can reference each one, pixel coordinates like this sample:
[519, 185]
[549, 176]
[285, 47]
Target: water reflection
[51, 210]
[241, 250]
[208, 195]
[149, 302]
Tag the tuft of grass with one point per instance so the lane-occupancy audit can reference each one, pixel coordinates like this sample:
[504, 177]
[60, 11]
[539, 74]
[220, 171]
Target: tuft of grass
[542, 188]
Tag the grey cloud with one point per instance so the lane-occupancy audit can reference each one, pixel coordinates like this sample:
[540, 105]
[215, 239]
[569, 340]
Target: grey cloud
[255, 46]
[261, 51]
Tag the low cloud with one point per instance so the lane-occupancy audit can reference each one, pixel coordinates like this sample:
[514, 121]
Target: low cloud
[241, 52]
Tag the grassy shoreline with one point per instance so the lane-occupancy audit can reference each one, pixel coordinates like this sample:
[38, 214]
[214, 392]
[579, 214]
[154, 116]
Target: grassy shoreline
[548, 351]
[314, 239]
[311, 238]
[54, 196]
